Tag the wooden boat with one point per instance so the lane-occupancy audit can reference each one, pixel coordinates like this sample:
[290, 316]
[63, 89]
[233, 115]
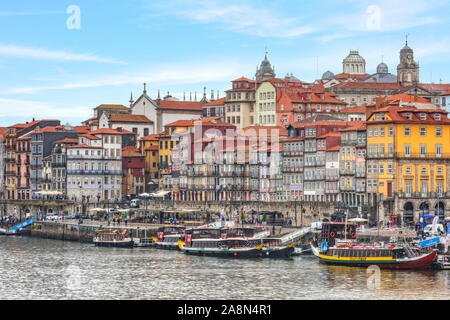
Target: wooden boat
[393, 257]
[213, 242]
[168, 237]
[113, 238]
[330, 250]
[273, 248]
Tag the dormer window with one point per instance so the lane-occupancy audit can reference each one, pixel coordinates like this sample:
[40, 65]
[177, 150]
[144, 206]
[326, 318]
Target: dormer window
[408, 116]
[437, 116]
[423, 116]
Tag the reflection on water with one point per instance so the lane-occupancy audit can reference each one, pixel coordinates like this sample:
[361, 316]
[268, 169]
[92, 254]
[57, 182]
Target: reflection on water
[48, 269]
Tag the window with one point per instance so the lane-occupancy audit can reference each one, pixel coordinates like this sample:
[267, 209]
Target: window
[423, 131]
[439, 170]
[423, 116]
[437, 116]
[390, 168]
[375, 132]
[390, 131]
[381, 168]
[423, 170]
[438, 150]
[370, 132]
[407, 149]
[408, 170]
[382, 132]
[408, 116]
[438, 131]
[423, 149]
[407, 131]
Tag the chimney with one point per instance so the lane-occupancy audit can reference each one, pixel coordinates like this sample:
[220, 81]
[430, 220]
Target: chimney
[119, 129]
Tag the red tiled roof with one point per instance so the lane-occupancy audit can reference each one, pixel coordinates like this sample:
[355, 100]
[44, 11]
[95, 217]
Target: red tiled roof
[397, 115]
[435, 87]
[130, 151]
[218, 102]
[152, 137]
[246, 131]
[67, 140]
[111, 131]
[407, 98]
[152, 148]
[334, 148]
[359, 109]
[112, 106]
[125, 117]
[446, 93]
[81, 129]
[244, 79]
[369, 85]
[90, 136]
[181, 105]
[352, 76]
[355, 126]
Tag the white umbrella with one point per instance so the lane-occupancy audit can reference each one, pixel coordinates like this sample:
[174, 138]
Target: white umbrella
[144, 195]
[97, 209]
[358, 220]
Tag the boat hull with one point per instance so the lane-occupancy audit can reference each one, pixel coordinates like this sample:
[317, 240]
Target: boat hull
[421, 262]
[166, 245]
[280, 253]
[117, 244]
[225, 253]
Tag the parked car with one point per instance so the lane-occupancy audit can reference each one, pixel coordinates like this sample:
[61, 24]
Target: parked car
[70, 216]
[81, 216]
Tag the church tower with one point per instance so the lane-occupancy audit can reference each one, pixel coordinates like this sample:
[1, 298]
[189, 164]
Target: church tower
[265, 71]
[408, 69]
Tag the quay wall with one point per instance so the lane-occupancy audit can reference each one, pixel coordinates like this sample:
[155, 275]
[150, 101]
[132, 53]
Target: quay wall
[80, 232]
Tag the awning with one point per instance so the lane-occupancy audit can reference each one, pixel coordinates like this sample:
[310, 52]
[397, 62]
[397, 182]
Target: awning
[161, 194]
[49, 193]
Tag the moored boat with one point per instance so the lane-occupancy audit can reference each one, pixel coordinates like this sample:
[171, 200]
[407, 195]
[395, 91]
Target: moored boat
[273, 248]
[213, 242]
[113, 238]
[168, 237]
[393, 256]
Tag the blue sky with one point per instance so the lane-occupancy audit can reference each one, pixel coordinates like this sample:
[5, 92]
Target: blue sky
[51, 71]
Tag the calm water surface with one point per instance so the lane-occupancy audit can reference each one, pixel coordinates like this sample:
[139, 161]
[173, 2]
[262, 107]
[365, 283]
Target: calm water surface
[32, 268]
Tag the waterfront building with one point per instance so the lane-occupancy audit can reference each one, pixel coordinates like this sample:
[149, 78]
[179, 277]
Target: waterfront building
[240, 102]
[353, 114]
[46, 185]
[292, 168]
[133, 166]
[94, 170]
[149, 147]
[42, 140]
[59, 165]
[408, 154]
[352, 170]
[23, 152]
[445, 102]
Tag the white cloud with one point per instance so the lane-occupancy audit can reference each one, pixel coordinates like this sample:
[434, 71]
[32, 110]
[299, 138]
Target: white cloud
[239, 17]
[173, 74]
[43, 54]
[12, 108]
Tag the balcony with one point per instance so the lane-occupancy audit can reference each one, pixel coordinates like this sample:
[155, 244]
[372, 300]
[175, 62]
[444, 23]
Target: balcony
[351, 142]
[60, 164]
[347, 172]
[429, 155]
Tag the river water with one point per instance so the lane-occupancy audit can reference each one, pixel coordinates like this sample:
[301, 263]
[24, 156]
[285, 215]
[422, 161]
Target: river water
[32, 268]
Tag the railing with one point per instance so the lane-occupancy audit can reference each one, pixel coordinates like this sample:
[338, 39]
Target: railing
[429, 155]
[59, 164]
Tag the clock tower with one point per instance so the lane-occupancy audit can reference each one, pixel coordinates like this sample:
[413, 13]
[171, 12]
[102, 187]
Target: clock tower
[408, 69]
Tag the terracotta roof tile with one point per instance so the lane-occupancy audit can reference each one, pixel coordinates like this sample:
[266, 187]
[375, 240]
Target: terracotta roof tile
[125, 117]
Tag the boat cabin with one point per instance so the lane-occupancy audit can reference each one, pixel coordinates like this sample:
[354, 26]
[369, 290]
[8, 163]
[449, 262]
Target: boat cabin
[337, 230]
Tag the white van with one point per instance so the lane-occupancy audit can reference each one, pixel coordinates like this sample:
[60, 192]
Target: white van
[135, 203]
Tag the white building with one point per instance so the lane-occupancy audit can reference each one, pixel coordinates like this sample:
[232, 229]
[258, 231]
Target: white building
[94, 168]
[136, 123]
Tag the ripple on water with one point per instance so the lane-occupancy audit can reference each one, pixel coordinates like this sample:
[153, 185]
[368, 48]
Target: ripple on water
[33, 268]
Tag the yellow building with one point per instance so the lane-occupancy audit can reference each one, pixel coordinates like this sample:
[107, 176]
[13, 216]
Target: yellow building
[149, 147]
[408, 152]
[240, 103]
[266, 102]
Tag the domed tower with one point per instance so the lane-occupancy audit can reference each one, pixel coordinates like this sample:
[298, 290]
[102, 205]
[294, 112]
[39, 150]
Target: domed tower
[382, 68]
[408, 69]
[328, 75]
[265, 71]
[354, 63]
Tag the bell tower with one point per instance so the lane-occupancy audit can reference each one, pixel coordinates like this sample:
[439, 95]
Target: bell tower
[408, 69]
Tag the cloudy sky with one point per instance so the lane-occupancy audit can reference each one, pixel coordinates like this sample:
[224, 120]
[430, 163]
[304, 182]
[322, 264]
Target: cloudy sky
[59, 59]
